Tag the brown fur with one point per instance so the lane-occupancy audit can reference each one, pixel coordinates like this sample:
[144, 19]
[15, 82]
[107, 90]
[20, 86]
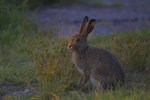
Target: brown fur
[95, 64]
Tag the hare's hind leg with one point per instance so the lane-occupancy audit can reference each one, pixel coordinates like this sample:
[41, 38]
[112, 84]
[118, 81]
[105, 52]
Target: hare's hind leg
[84, 79]
[96, 83]
[102, 82]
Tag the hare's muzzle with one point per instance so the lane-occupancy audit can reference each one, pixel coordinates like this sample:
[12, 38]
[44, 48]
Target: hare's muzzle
[69, 47]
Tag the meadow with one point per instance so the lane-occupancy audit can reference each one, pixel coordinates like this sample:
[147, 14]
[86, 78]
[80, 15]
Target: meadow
[41, 64]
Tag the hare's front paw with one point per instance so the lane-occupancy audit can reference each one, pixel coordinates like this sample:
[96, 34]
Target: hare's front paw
[76, 86]
[79, 85]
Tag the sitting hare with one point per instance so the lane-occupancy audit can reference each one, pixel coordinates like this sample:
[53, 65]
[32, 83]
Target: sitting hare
[95, 64]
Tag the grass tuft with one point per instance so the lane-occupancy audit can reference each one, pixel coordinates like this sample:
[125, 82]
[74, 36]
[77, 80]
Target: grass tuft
[53, 67]
[132, 51]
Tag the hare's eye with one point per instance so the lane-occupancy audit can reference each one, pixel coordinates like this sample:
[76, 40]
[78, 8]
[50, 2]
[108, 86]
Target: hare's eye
[78, 40]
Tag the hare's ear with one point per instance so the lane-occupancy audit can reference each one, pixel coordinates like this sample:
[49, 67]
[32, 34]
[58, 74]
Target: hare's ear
[89, 27]
[85, 20]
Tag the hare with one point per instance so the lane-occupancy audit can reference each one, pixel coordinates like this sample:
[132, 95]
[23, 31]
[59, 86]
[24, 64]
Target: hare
[95, 64]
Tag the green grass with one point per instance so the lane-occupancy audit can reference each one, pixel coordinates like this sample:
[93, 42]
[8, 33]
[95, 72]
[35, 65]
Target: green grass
[126, 47]
[17, 98]
[29, 59]
[101, 3]
[47, 62]
[121, 94]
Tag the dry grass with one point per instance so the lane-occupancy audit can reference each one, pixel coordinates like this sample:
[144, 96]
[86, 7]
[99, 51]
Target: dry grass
[53, 66]
[55, 73]
[28, 56]
[132, 51]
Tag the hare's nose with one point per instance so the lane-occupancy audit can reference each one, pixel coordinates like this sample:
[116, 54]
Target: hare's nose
[69, 47]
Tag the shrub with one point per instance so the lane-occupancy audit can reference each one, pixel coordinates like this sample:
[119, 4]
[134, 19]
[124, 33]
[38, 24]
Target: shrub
[53, 67]
[14, 23]
[132, 51]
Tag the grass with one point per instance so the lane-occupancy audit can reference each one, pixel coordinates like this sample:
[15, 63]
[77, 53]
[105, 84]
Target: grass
[47, 62]
[29, 59]
[101, 3]
[123, 94]
[52, 64]
[126, 47]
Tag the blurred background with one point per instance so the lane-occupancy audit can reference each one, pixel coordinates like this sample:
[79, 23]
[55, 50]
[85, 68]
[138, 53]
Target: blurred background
[65, 16]
[111, 15]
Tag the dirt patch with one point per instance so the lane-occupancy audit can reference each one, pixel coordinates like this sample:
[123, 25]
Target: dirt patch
[13, 89]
